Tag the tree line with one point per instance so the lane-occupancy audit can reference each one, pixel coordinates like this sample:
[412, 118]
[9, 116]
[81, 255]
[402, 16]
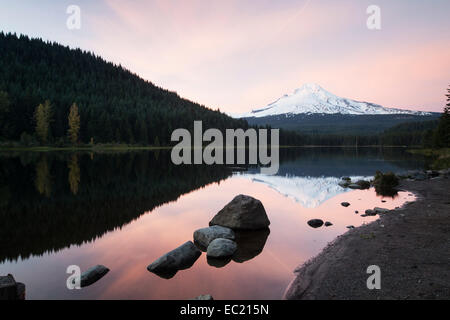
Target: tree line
[53, 95]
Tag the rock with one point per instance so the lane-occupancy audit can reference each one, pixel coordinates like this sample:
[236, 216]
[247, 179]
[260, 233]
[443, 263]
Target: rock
[355, 186]
[203, 237]
[204, 297]
[350, 227]
[221, 248]
[356, 211]
[370, 212]
[381, 210]
[315, 223]
[421, 177]
[250, 244]
[363, 184]
[10, 289]
[180, 258]
[242, 213]
[432, 173]
[328, 224]
[218, 262]
[346, 179]
[344, 184]
[345, 204]
[92, 275]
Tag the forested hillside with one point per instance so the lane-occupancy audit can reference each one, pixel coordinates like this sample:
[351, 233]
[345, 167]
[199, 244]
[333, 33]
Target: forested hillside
[114, 105]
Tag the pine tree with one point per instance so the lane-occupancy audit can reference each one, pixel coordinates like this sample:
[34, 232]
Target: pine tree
[43, 118]
[442, 134]
[4, 110]
[74, 124]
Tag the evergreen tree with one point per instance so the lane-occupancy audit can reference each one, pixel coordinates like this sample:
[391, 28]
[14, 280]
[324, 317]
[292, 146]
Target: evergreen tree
[442, 134]
[43, 117]
[4, 111]
[74, 124]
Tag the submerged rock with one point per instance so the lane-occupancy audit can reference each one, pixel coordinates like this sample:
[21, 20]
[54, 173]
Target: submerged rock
[204, 297]
[242, 213]
[203, 237]
[92, 275]
[221, 248]
[218, 262]
[315, 223]
[180, 258]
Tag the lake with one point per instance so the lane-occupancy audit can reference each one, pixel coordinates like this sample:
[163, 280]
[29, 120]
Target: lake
[125, 210]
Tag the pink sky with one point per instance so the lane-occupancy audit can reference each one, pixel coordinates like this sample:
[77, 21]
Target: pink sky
[239, 55]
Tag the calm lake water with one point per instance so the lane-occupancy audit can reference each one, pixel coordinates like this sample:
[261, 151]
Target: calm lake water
[125, 210]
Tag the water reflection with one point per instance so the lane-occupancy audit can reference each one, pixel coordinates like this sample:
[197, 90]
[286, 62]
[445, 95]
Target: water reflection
[126, 210]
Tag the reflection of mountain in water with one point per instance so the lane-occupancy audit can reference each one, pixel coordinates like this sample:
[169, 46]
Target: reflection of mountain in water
[310, 192]
[51, 201]
[310, 176]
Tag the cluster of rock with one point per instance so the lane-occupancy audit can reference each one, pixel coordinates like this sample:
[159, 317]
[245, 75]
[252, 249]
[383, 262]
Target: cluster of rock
[420, 175]
[347, 182]
[374, 212]
[239, 231]
[317, 223]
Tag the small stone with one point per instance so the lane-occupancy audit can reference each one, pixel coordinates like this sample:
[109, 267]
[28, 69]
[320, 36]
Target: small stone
[315, 223]
[204, 297]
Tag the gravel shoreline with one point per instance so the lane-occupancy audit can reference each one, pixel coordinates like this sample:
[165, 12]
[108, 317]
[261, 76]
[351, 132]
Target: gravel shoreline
[411, 245]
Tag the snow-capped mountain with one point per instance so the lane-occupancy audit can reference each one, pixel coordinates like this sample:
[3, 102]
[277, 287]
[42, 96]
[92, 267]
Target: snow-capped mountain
[313, 99]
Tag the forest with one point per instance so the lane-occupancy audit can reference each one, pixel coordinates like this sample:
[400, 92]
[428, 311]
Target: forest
[53, 95]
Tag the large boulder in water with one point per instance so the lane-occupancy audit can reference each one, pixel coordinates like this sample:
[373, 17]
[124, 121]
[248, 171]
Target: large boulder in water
[180, 258]
[242, 213]
[203, 237]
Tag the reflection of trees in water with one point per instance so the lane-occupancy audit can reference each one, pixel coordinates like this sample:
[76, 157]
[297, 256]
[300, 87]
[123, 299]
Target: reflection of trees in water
[43, 181]
[74, 174]
[58, 210]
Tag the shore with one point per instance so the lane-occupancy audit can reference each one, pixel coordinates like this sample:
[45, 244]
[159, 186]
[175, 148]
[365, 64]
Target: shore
[411, 245]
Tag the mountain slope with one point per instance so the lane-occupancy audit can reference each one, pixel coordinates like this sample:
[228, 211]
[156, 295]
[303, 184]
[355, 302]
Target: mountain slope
[313, 110]
[115, 105]
[313, 99]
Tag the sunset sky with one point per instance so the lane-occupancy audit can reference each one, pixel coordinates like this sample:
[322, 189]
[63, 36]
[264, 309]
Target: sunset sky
[239, 55]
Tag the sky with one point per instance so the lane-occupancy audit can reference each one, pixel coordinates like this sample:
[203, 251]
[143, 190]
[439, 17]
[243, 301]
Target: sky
[239, 55]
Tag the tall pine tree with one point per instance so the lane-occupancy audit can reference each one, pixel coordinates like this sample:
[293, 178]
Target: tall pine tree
[43, 118]
[74, 124]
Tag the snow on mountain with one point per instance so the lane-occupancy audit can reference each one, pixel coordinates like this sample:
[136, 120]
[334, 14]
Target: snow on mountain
[310, 192]
[313, 99]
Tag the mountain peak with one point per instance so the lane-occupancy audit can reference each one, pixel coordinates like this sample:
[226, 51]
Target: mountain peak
[311, 98]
